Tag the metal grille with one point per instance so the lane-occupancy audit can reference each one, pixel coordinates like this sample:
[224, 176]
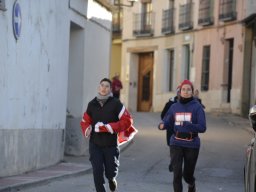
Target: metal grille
[228, 10]
[143, 24]
[117, 23]
[205, 12]
[171, 71]
[205, 68]
[146, 87]
[168, 21]
[186, 15]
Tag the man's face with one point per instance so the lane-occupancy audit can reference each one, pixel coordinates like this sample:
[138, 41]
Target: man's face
[104, 88]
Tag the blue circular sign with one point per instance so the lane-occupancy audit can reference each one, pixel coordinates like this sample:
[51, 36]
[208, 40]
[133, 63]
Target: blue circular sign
[16, 20]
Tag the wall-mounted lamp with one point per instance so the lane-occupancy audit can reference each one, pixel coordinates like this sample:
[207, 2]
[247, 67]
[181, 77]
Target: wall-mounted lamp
[119, 4]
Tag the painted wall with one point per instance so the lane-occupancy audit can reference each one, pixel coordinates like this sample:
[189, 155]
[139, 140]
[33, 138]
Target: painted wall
[214, 35]
[89, 62]
[116, 58]
[35, 77]
[33, 86]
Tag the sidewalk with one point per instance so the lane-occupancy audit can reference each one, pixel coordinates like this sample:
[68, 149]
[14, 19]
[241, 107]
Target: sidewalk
[72, 166]
[235, 120]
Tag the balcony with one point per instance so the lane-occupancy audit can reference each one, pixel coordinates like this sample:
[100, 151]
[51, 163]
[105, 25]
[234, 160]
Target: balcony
[117, 21]
[205, 13]
[168, 21]
[186, 17]
[143, 24]
[227, 10]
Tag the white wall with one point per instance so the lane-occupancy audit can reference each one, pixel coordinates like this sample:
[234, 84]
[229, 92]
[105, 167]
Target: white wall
[97, 52]
[98, 65]
[34, 67]
[33, 85]
[34, 77]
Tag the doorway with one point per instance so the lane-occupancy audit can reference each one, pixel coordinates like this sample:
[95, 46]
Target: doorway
[145, 82]
[74, 144]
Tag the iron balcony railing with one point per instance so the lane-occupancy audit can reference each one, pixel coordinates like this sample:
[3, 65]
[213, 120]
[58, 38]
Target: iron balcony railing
[227, 10]
[117, 21]
[168, 21]
[143, 24]
[186, 17]
[206, 13]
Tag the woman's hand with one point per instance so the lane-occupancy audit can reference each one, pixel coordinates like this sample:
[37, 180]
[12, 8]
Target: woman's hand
[161, 126]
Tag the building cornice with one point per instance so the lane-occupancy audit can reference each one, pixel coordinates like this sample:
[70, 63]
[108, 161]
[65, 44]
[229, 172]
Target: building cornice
[109, 6]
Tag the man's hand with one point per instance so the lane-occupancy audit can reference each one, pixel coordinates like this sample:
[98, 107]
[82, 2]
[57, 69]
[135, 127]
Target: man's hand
[102, 128]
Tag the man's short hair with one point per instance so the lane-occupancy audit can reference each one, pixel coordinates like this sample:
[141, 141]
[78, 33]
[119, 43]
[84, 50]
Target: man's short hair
[106, 79]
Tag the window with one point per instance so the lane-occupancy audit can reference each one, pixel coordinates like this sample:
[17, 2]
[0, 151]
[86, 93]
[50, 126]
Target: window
[205, 68]
[144, 21]
[146, 87]
[146, 16]
[227, 10]
[168, 19]
[117, 23]
[171, 72]
[185, 66]
[205, 12]
[186, 16]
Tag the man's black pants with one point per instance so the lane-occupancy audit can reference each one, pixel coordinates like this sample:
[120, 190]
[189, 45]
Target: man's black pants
[188, 156]
[103, 159]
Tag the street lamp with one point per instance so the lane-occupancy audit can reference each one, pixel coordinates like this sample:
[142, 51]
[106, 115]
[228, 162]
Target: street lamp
[119, 4]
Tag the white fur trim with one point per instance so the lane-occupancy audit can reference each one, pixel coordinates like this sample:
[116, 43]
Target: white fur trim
[127, 139]
[121, 112]
[109, 128]
[97, 126]
[88, 129]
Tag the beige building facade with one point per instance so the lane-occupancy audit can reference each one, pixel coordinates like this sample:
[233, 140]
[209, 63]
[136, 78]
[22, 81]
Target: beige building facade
[167, 41]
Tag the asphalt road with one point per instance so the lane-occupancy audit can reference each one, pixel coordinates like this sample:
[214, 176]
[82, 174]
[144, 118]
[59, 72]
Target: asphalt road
[144, 164]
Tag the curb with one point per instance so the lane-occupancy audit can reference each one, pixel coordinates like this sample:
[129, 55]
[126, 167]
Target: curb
[34, 178]
[37, 180]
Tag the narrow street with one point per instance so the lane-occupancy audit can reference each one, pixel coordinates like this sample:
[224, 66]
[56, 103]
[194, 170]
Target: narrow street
[144, 164]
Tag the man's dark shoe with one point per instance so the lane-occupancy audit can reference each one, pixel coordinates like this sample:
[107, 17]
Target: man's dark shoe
[192, 188]
[112, 185]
